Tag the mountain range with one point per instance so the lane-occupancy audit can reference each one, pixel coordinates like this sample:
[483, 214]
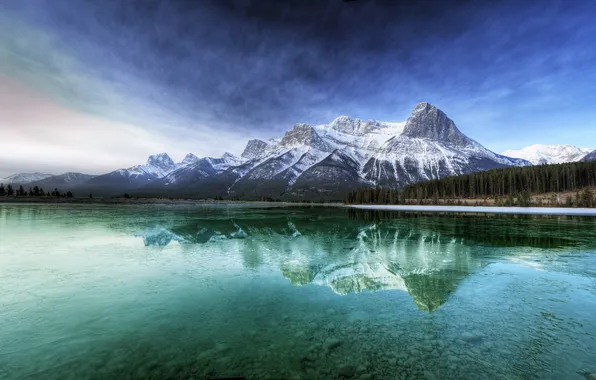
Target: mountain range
[320, 162]
[549, 154]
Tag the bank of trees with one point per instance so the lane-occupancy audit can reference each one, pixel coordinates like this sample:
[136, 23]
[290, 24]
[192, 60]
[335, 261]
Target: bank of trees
[537, 179]
[512, 186]
[36, 191]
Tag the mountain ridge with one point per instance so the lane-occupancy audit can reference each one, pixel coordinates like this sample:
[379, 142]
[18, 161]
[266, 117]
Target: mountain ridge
[316, 162]
[539, 154]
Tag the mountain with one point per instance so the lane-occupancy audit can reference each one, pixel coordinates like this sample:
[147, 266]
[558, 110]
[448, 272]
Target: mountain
[157, 166]
[325, 161]
[549, 154]
[62, 181]
[200, 178]
[590, 156]
[24, 178]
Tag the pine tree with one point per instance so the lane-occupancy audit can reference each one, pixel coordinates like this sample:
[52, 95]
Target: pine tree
[21, 191]
[2, 190]
[36, 191]
[68, 194]
[9, 190]
[30, 192]
[90, 195]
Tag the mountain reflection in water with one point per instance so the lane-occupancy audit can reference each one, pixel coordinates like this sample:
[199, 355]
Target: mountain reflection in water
[425, 255]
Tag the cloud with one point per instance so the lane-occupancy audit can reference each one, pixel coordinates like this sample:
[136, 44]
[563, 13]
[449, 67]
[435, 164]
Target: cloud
[209, 75]
[39, 134]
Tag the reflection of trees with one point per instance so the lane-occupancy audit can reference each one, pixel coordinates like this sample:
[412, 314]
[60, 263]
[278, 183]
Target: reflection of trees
[539, 231]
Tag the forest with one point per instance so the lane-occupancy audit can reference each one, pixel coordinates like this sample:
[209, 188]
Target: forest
[513, 186]
[32, 192]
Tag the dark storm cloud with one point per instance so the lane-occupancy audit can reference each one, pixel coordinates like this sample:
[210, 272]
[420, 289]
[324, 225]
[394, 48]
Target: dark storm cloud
[257, 66]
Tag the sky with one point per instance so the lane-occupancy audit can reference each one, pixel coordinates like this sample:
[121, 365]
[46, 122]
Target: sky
[92, 86]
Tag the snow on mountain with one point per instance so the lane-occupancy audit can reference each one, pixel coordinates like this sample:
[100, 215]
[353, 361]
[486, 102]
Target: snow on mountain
[157, 166]
[24, 178]
[322, 161]
[62, 181]
[329, 159]
[427, 146]
[256, 148]
[590, 156]
[196, 170]
[189, 159]
[539, 154]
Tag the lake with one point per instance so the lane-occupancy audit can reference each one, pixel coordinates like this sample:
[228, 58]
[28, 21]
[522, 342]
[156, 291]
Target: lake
[207, 292]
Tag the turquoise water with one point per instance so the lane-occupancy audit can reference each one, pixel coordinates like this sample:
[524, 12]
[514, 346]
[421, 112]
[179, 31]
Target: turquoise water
[198, 292]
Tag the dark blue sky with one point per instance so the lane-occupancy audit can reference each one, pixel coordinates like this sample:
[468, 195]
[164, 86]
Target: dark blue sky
[204, 76]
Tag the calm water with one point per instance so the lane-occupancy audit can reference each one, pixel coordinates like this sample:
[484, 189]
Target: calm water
[196, 292]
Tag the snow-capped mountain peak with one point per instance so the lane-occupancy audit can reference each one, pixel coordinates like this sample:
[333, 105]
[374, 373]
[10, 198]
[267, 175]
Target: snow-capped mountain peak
[539, 154]
[161, 160]
[189, 159]
[255, 148]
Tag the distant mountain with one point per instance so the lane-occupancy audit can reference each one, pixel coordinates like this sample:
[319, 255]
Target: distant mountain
[549, 154]
[157, 166]
[325, 161]
[24, 178]
[63, 181]
[590, 156]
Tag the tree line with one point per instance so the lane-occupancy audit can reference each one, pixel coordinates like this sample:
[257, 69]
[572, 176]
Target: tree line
[507, 186]
[32, 192]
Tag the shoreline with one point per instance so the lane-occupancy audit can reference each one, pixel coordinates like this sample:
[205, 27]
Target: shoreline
[484, 209]
[146, 201]
[563, 211]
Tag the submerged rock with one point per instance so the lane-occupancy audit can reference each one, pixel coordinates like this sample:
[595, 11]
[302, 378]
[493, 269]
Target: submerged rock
[470, 337]
[332, 343]
[347, 370]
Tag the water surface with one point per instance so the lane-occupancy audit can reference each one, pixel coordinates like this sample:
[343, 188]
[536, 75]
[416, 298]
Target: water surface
[195, 291]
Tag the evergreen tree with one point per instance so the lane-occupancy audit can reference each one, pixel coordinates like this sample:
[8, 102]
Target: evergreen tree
[126, 196]
[36, 191]
[2, 190]
[21, 191]
[30, 193]
[41, 192]
[90, 195]
[9, 190]
[68, 194]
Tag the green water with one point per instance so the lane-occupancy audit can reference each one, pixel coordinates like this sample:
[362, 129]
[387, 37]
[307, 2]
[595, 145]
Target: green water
[197, 292]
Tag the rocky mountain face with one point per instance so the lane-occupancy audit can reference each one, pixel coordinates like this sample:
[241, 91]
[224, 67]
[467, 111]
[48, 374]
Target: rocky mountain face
[319, 162]
[549, 154]
[590, 156]
[254, 149]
